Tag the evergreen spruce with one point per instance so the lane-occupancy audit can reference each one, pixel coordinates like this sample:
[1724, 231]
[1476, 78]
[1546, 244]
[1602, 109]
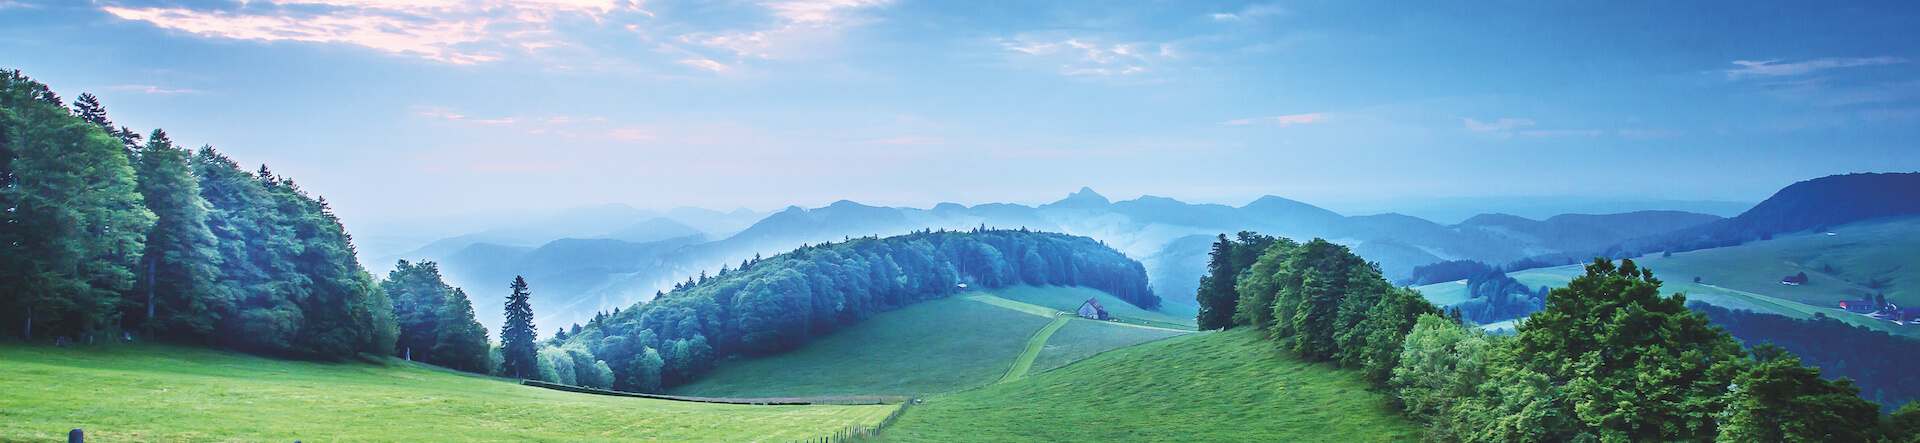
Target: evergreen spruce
[517, 336]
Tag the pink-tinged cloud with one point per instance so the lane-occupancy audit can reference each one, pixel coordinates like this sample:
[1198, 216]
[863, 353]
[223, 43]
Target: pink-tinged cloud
[432, 29]
[631, 134]
[1498, 125]
[801, 28]
[705, 64]
[1283, 121]
[921, 141]
[1771, 68]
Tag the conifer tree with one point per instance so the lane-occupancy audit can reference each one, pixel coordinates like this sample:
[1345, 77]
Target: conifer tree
[175, 292]
[517, 336]
[74, 220]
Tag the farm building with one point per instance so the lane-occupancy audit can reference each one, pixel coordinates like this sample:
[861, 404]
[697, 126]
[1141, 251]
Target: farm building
[1859, 305]
[1906, 316]
[1092, 309]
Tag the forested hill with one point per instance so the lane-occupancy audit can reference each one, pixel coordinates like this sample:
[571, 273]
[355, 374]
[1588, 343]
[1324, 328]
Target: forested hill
[107, 231]
[781, 302]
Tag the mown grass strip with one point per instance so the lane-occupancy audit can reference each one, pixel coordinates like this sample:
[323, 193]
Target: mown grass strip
[1039, 340]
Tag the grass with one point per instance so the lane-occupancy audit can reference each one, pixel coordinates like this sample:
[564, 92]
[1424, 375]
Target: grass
[1039, 341]
[1886, 250]
[1227, 386]
[172, 393]
[1083, 338]
[931, 347]
[1069, 298]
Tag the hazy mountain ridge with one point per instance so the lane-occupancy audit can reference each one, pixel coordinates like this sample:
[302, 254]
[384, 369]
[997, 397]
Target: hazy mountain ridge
[572, 279]
[1814, 204]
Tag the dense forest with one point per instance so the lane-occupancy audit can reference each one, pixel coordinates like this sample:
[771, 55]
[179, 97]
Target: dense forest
[1880, 363]
[1607, 359]
[779, 303]
[109, 234]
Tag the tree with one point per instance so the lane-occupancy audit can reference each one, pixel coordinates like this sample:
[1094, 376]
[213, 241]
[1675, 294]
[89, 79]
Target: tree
[1780, 400]
[1442, 365]
[646, 369]
[1628, 363]
[517, 336]
[1217, 295]
[75, 221]
[436, 323]
[176, 292]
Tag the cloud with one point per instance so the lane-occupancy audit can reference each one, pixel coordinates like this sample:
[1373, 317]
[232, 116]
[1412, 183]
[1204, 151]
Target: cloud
[801, 26]
[1498, 125]
[453, 31]
[1250, 12]
[150, 89]
[1090, 56]
[1283, 121]
[918, 141]
[705, 64]
[1771, 68]
[1560, 133]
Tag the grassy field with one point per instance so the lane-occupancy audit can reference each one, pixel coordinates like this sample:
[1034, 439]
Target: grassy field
[1082, 338]
[170, 393]
[1060, 298]
[1841, 266]
[928, 348]
[1227, 386]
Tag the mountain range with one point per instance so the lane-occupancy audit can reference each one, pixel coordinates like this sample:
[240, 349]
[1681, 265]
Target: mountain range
[590, 263]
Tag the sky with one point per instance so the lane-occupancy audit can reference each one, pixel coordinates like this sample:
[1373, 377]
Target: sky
[399, 110]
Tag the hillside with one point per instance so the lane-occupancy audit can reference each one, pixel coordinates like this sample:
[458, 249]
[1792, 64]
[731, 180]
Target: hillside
[1808, 205]
[938, 346]
[1846, 265]
[1225, 386]
[171, 393]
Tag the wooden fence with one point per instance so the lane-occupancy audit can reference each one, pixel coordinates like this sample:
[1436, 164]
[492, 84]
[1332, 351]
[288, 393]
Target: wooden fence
[858, 432]
[849, 433]
[821, 400]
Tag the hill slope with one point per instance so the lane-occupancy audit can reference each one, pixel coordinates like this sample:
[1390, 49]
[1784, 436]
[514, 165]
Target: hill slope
[168, 393]
[1226, 386]
[931, 347]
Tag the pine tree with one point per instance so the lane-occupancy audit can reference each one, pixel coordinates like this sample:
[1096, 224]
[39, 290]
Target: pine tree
[517, 336]
[176, 288]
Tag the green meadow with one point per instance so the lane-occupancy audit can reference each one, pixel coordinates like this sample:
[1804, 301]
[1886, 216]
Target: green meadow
[170, 393]
[1232, 386]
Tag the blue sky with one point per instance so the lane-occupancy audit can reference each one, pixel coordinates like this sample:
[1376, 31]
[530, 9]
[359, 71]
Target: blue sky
[413, 108]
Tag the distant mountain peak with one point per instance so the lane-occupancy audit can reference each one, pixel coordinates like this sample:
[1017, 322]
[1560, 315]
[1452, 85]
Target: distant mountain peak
[1085, 199]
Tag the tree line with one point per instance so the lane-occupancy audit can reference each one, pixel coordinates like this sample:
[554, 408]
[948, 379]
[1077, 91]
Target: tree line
[109, 233]
[1881, 364]
[779, 303]
[1607, 358]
